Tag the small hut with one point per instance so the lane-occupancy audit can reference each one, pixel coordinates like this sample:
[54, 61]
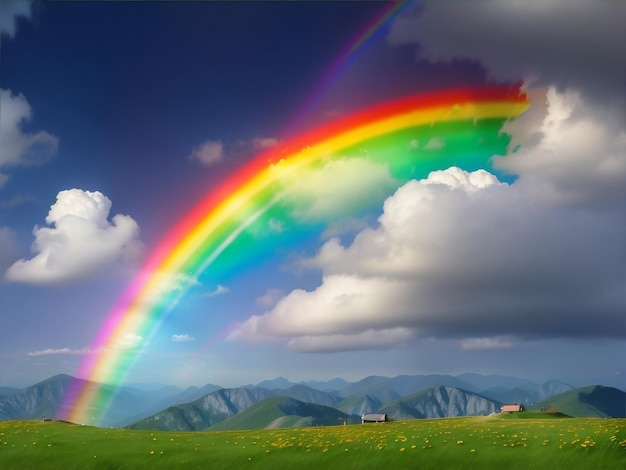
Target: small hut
[514, 408]
[374, 418]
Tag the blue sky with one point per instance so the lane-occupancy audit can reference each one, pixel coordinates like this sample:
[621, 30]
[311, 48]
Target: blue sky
[126, 114]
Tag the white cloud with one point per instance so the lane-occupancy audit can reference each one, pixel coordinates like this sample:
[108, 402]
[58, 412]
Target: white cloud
[11, 11]
[456, 178]
[477, 344]
[16, 146]
[65, 351]
[276, 225]
[436, 143]
[182, 338]
[209, 153]
[165, 284]
[80, 241]
[342, 305]
[460, 255]
[219, 290]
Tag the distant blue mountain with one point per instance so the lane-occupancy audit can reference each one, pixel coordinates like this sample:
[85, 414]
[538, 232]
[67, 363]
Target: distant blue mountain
[385, 389]
[155, 406]
[484, 382]
[277, 383]
[193, 393]
[327, 386]
[529, 393]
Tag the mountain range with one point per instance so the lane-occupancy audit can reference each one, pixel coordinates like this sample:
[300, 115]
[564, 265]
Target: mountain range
[280, 402]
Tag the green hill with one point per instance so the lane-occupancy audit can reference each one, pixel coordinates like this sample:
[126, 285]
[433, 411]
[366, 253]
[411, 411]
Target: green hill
[586, 402]
[284, 412]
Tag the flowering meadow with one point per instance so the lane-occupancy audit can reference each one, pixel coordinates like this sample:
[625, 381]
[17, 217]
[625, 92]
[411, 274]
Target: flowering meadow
[476, 442]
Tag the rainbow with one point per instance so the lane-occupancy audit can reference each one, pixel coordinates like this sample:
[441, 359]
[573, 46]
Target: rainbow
[408, 138]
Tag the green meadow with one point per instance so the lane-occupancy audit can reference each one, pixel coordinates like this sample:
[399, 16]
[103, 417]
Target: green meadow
[531, 440]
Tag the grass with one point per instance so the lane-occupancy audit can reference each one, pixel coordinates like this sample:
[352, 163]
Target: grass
[468, 443]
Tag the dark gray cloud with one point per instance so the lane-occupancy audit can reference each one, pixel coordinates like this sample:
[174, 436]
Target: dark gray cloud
[576, 44]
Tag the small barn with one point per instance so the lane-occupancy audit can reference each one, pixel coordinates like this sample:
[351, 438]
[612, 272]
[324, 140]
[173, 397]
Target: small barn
[514, 408]
[374, 418]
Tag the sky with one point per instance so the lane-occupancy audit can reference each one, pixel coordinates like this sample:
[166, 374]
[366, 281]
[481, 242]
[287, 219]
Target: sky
[118, 118]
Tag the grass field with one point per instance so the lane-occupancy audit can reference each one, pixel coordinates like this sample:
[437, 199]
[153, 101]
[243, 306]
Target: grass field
[500, 442]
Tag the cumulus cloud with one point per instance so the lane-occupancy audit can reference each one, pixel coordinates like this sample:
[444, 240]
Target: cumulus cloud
[11, 11]
[18, 147]
[80, 241]
[460, 255]
[182, 338]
